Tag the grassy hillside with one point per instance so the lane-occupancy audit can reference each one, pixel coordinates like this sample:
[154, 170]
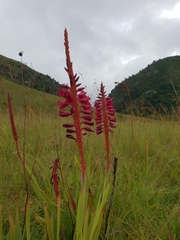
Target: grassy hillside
[11, 69]
[154, 88]
[37, 101]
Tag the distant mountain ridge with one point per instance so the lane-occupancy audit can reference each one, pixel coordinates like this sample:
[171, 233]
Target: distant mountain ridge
[155, 88]
[12, 70]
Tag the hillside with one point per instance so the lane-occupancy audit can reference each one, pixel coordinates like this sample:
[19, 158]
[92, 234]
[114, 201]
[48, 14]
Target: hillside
[37, 102]
[12, 70]
[155, 88]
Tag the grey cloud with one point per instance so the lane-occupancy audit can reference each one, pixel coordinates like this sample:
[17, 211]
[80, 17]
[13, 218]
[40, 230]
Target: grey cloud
[109, 40]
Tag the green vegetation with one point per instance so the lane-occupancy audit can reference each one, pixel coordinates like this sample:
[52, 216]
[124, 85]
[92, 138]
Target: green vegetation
[146, 202]
[37, 102]
[151, 90]
[11, 69]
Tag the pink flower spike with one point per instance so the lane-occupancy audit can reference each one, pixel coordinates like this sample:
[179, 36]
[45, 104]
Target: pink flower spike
[55, 178]
[79, 104]
[104, 119]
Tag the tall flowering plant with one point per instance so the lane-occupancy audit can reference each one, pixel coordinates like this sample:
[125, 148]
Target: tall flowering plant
[80, 107]
[74, 102]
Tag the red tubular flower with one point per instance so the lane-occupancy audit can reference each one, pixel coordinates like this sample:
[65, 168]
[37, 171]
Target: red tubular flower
[55, 178]
[78, 105]
[105, 119]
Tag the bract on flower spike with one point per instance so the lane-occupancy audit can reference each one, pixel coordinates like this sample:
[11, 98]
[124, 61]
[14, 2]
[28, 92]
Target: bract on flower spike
[105, 119]
[78, 106]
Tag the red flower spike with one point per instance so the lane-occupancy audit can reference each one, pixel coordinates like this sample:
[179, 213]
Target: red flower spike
[13, 127]
[11, 116]
[78, 101]
[105, 119]
[55, 178]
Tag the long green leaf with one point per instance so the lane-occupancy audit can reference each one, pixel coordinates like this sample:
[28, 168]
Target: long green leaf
[49, 224]
[41, 221]
[98, 212]
[12, 228]
[58, 217]
[98, 228]
[81, 211]
[85, 228]
[0, 221]
[28, 220]
[79, 217]
[18, 227]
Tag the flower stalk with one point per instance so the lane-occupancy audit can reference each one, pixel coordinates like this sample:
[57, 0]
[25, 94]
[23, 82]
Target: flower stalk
[105, 120]
[79, 107]
[13, 127]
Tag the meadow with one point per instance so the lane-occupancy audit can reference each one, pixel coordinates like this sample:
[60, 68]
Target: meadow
[146, 200]
[75, 171]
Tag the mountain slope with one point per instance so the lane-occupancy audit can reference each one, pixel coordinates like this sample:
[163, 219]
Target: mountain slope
[154, 88]
[37, 102]
[11, 69]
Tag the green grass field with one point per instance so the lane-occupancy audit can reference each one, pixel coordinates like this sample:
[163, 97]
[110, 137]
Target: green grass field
[146, 203]
[38, 102]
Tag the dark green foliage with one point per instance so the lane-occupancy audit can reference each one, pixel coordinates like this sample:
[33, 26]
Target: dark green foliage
[12, 70]
[153, 89]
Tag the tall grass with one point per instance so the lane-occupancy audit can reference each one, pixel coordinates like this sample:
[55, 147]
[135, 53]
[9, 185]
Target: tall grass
[146, 200]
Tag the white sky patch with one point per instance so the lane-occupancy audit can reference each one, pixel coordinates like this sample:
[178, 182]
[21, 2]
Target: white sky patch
[125, 61]
[175, 53]
[123, 27]
[174, 13]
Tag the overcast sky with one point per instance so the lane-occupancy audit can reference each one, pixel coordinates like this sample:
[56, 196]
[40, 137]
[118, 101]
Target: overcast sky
[109, 40]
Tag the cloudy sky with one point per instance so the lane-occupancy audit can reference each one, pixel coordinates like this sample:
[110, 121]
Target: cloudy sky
[109, 40]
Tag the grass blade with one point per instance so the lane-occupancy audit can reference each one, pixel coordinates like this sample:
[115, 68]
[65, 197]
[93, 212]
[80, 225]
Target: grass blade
[28, 220]
[0, 221]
